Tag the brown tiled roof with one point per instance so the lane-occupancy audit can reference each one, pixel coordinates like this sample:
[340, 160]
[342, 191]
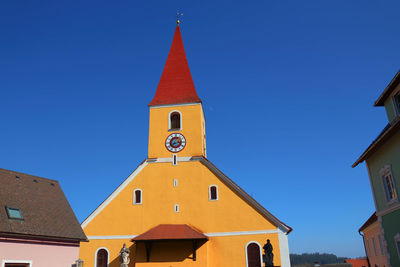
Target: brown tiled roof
[390, 129]
[388, 90]
[370, 221]
[44, 207]
[170, 232]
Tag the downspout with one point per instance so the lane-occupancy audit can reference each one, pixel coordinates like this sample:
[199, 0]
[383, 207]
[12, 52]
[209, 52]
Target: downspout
[365, 248]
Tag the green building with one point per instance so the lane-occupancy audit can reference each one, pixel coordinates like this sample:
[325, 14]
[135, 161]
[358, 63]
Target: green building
[382, 159]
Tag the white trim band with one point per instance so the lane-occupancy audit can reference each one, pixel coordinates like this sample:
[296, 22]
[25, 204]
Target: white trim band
[257, 232]
[175, 105]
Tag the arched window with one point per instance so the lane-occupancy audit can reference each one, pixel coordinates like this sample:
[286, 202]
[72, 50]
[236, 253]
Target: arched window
[137, 196]
[253, 254]
[213, 192]
[102, 257]
[175, 121]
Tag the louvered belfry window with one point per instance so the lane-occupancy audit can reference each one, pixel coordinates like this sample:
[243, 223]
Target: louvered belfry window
[175, 120]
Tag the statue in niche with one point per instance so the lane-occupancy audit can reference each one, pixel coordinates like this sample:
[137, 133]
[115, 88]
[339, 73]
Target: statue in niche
[268, 255]
[124, 256]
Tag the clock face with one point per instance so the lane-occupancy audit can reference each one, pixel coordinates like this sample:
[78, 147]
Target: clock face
[175, 142]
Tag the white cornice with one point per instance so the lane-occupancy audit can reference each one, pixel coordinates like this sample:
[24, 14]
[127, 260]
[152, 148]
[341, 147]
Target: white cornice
[175, 105]
[218, 234]
[395, 206]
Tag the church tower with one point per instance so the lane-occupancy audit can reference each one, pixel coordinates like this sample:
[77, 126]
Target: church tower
[177, 125]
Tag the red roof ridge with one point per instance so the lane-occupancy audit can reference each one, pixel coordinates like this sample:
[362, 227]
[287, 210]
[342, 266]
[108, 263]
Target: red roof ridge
[176, 84]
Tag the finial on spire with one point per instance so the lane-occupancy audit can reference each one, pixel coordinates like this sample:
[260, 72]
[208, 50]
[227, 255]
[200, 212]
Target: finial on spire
[179, 15]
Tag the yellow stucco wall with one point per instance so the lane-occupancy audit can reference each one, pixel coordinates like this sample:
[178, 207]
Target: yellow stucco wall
[193, 128]
[230, 213]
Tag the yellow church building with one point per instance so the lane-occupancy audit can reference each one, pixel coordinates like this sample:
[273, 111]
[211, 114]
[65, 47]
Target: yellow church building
[177, 208]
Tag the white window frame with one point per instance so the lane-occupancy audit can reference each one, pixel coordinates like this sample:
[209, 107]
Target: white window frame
[95, 256]
[245, 251]
[169, 121]
[397, 240]
[209, 192]
[176, 207]
[374, 245]
[3, 264]
[175, 182]
[384, 172]
[134, 196]
[174, 159]
[380, 237]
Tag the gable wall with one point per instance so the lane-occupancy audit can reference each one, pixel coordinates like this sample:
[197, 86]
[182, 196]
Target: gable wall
[230, 213]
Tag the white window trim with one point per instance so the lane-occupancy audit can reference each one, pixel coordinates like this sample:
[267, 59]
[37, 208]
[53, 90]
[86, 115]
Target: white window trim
[95, 256]
[175, 182]
[176, 207]
[245, 251]
[209, 192]
[387, 170]
[134, 197]
[380, 239]
[374, 245]
[397, 239]
[3, 264]
[169, 121]
[174, 159]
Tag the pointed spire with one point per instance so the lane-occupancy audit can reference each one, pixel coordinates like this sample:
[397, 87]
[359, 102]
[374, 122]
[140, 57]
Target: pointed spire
[176, 83]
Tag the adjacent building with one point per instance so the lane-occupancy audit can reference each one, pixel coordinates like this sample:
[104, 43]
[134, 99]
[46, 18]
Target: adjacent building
[177, 208]
[373, 242]
[382, 159]
[37, 225]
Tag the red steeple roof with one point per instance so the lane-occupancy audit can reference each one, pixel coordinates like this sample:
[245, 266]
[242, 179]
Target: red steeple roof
[176, 84]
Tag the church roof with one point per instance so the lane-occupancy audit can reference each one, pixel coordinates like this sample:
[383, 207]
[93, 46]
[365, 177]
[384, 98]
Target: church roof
[44, 212]
[170, 232]
[176, 84]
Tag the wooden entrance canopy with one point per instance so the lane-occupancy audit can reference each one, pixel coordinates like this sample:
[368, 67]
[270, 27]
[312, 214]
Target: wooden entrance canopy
[170, 232]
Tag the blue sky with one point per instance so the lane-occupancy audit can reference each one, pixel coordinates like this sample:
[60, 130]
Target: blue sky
[292, 82]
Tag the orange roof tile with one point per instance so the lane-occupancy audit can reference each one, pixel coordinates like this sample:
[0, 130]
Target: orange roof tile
[170, 232]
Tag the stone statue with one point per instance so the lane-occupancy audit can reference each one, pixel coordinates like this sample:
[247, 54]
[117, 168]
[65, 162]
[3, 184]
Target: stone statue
[269, 256]
[124, 256]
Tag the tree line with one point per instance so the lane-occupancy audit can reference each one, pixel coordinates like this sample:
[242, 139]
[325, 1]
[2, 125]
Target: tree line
[310, 258]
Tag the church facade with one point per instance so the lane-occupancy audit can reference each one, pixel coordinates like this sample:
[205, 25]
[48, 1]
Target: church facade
[177, 208]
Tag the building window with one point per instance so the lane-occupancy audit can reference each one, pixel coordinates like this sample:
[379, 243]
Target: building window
[12, 263]
[373, 243]
[388, 184]
[176, 208]
[174, 159]
[175, 182]
[14, 213]
[253, 255]
[137, 196]
[381, 244]
[396, 101]
[397, 242]
[213, 192]
[175, 121]
[101, 259]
